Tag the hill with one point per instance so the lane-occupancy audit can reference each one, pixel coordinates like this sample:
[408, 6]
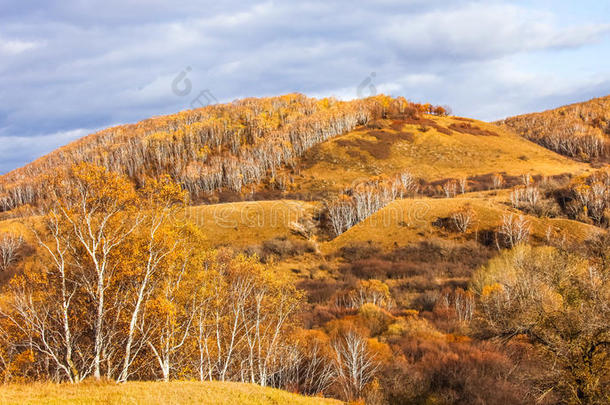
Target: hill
[580, 130]
[177, 392]
[225, 146]
[431, 148]
[415, 220]
[293, 144]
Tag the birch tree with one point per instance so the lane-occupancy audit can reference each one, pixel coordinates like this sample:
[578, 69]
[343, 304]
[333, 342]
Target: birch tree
[9, 249]
[355, 364]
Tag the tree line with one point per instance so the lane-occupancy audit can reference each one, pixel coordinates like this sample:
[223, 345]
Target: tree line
[579, 131]
[219, 146]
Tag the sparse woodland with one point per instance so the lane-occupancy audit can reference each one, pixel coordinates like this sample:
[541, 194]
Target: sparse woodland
[221, 146]
[109, 280]
[580, 131]
[119, 288]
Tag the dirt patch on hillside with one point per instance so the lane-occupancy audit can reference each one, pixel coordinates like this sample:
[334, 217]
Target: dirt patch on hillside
[467, 128]
[425, 123]
[380, 149]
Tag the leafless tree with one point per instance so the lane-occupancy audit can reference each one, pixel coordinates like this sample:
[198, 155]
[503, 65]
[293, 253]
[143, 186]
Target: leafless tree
[316, 372]
[525, 197]
[463, 219]
[342, 215]
[462, 302]
[514, 229]
[450, 188]
[9, 250]
[355, 364]
[498, 180]
[463, 184]
[408, 184]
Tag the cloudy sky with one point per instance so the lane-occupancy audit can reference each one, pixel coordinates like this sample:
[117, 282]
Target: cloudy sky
[70, 67]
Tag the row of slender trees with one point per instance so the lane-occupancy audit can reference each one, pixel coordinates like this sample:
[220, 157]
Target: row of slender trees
[219, 146]
[366, 198]
[581, 130]
[120, 287]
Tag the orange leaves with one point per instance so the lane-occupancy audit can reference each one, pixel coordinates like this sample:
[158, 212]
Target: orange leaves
[489, 290]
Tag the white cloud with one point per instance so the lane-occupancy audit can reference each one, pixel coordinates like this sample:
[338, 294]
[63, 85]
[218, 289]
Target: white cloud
[486, 30]
[15, 46]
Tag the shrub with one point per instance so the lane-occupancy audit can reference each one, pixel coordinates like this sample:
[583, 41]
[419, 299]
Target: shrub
[463, 219]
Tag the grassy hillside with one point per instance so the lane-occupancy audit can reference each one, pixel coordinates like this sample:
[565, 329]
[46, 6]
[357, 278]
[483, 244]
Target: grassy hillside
[240, 224]
[403, 221]
[178, 392]
[415, 220]
[580, 130]
[245, 224]
[431, 148]
[351, 228]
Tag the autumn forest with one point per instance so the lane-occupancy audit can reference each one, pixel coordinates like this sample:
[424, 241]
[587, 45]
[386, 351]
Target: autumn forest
[374, 251]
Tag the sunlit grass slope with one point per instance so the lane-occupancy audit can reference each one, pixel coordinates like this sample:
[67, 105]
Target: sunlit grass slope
[150, 393]
[413, 220]
[244, 223]
[432, 148]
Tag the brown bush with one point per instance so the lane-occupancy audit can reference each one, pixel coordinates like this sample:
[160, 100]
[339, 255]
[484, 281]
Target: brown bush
[281, 248]
[459, 372]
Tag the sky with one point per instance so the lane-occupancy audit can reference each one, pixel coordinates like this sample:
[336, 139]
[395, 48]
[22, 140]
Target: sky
[71, 67]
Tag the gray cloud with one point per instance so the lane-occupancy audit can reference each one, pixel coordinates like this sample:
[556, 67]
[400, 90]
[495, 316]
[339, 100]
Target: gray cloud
[69, 65]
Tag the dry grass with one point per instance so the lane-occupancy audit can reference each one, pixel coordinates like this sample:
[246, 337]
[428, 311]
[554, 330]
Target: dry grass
[412, 220]
[429, 154]
[178, 392]
[244, 223]
[14, 226]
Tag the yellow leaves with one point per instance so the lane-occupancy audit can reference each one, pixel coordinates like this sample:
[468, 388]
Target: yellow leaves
[161, 308]
[398, 328]
[491, 290]
[98, 188]
[374, 286]
[324, 103]
[381, 351]
[376, 319]
[203, 152]
[163, 193]
[21, 365]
